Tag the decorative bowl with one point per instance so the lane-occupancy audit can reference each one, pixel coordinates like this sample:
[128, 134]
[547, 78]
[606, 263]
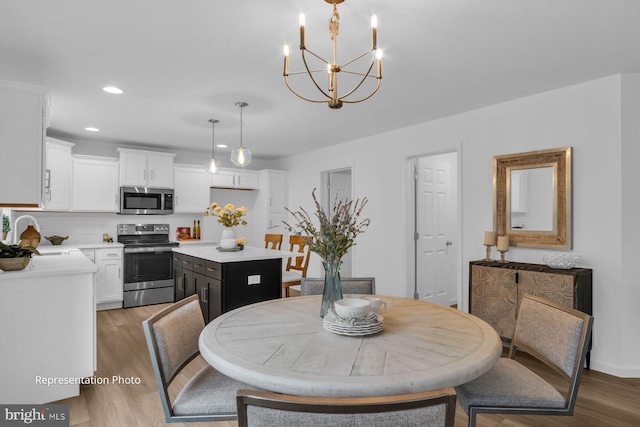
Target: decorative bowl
[352, 307]
[56, 240]
[13, 264]
[561, 260]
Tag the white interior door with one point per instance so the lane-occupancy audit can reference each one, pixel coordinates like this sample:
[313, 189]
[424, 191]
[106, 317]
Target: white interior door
[338, 188]
[436, 216]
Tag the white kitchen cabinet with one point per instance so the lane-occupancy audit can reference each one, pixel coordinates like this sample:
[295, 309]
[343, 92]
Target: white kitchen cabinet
[140, 168]
[58, 175]
[191, 189]
[236, 178]
[108, 278]
[95, 184]
[23, 120]
[277, 190]
[271, 202]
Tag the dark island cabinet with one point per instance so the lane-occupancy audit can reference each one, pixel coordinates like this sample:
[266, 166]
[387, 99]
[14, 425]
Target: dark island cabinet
[222, 287]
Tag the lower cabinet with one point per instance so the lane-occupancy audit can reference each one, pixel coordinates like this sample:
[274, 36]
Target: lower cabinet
[222, 287]
[496, 290]
[108, 278]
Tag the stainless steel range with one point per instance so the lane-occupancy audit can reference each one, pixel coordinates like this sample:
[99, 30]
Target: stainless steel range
[148, 264]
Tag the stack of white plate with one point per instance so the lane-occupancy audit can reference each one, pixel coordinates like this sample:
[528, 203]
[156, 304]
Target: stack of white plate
[372, 324]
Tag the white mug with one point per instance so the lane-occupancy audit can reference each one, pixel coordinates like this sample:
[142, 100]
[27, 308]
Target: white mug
[376, 304]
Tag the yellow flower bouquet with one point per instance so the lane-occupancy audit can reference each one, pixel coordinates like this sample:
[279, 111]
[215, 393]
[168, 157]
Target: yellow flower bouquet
[228, 215]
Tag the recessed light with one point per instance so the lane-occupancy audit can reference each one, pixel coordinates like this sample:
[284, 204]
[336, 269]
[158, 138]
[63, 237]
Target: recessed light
[92, 129]
[221, 146]
[113, 89]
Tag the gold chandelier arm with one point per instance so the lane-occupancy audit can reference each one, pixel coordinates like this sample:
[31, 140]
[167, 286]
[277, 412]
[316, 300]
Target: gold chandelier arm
[286, 81]
[305, 72]
[356, 58]
[306, 66]
[314, 54]
[360, 83]
[362, 99]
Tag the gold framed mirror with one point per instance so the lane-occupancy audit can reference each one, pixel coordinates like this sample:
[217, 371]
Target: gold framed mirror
[532, 198]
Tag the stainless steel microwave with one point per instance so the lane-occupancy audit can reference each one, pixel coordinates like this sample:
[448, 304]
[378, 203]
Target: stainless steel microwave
[146, 201]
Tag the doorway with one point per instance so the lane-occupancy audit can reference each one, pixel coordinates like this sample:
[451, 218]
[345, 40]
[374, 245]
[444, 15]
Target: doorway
[336, 185]
[435, 261]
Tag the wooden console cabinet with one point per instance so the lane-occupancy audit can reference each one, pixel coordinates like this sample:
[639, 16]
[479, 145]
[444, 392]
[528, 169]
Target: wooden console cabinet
[496, 290]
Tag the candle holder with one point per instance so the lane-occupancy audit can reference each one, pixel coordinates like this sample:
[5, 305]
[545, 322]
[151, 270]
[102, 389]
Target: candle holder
[502, 256]
[488, 256]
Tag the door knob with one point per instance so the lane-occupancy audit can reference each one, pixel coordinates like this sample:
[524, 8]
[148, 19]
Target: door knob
[449, 243]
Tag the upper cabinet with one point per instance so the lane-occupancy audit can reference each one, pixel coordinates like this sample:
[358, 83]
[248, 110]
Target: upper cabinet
[23, 120]
[58, 175]
[191, 189]
[236, 178]
[139, 168]
[95, 184]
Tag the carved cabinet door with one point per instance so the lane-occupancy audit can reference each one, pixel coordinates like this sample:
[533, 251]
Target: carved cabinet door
[494, 298]
[554, 287]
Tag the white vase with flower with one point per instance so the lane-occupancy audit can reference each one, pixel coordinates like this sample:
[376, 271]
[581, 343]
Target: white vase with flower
[229, 216]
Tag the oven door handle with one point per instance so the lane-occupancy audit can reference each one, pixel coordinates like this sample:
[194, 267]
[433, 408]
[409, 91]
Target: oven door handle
[156, 249]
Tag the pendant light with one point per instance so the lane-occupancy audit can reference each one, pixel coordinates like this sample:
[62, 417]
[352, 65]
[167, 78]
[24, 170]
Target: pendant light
[213, 165]
[241, 156]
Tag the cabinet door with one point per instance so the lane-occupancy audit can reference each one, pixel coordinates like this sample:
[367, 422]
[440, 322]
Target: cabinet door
[22, 129]
[494, 298]
[189, 283]
[554, 287]
[247, 179]
[178, 277]
[58, 177]
[110, 285]
[160, 171]
[202, 290]
[191, 189]
[133, 169]
[214, 297]
[223, 179]
[277, 190]
[95, 185]
[275, 222]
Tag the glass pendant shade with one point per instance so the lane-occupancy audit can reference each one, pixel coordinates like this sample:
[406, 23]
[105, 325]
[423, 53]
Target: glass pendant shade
[213, 165]
[241, 156]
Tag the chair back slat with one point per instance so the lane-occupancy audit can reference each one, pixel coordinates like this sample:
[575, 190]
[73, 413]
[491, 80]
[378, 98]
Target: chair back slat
[273, 241]
[350, 285]
[299, 263]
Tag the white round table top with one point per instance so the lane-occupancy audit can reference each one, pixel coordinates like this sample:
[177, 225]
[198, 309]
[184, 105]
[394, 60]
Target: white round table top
[281, 345]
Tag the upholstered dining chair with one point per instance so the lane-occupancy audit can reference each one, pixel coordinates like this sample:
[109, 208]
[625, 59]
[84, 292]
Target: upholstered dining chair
[554, 334]
[350, 285]
[273, 241]
[296, 264]
[172, 337]
[432, 408]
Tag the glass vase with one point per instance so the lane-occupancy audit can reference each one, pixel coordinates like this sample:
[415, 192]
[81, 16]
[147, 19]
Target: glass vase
[332, 285]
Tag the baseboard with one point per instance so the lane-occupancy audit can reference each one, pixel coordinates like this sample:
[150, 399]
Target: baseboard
[616, 371]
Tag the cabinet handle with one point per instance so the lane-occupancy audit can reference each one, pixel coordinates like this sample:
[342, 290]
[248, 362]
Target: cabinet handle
[212, 269]
[197, 265]
[181, 283]
[205, 294]
[119, 273]
[144, 174]
[270, 202]
[113, 254]
[517, 277]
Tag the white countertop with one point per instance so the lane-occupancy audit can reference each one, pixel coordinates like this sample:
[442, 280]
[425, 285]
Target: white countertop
[53, 264]
[249, 253]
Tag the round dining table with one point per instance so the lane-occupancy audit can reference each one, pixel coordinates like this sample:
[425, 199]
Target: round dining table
[281, 345]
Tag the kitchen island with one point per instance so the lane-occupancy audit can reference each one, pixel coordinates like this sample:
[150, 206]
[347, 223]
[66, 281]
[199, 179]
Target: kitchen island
[47, 327]
[227, 280]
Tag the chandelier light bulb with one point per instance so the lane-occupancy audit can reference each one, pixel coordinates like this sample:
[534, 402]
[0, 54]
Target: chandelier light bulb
[374, 21]
[241, 156]
[213, 167]
[286, 50]
[301, 19]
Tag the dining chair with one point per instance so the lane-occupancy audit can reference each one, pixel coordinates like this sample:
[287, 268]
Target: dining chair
[273, 241]
[350, 285]
[172, 337]
[425, 409]
[296, 265]
[556, 335]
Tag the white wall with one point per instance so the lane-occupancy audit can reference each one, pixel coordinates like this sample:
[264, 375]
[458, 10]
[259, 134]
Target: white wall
[585, 116]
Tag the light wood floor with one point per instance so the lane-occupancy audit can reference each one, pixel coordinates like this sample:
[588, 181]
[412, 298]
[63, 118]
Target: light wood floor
[603, 400]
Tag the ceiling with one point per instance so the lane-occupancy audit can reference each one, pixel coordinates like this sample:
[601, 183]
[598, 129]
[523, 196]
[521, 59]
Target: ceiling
[184, 62]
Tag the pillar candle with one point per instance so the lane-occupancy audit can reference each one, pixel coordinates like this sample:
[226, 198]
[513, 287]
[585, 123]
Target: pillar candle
[503, 243]
[490, 238]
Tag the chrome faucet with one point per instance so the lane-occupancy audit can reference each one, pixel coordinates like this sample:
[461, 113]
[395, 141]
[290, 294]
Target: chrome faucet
[16, 236]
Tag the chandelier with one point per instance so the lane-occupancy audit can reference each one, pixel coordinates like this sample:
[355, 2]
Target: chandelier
[331, 95]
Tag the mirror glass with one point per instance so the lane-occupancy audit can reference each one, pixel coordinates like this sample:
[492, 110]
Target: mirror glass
[531, 199]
